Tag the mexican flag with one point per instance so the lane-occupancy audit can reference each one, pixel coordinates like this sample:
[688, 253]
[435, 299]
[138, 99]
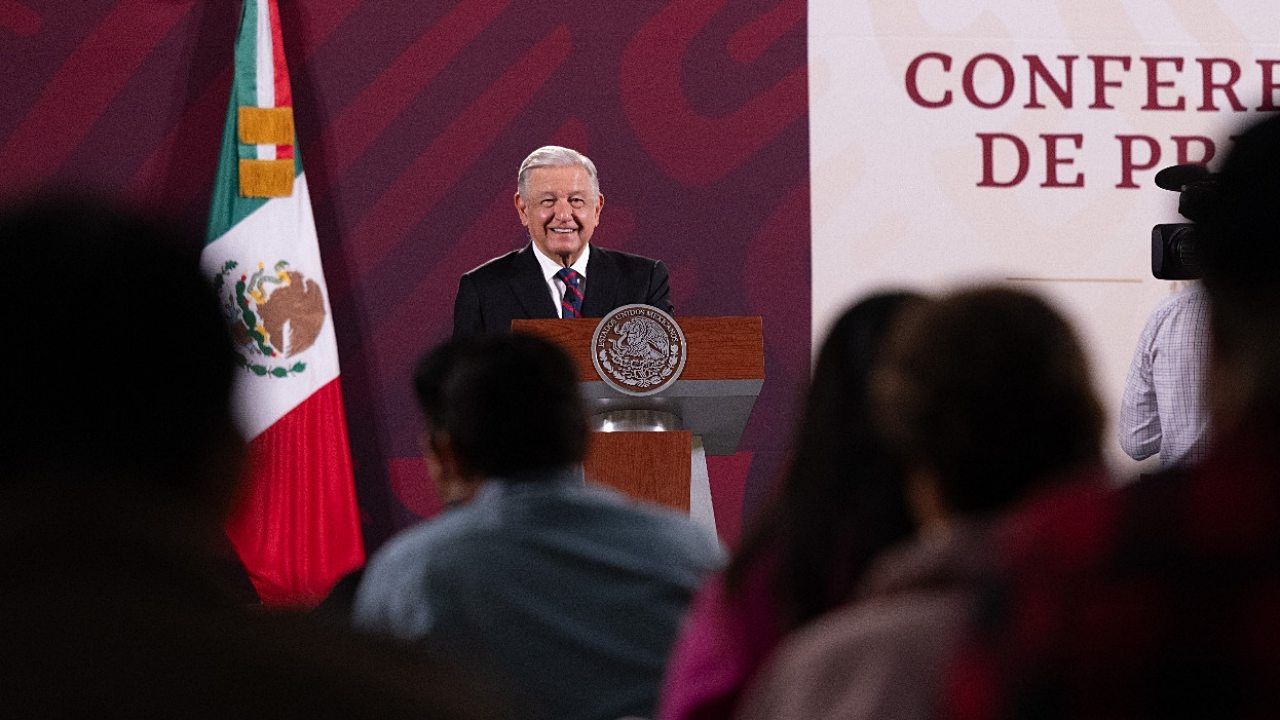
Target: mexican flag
[295, 526]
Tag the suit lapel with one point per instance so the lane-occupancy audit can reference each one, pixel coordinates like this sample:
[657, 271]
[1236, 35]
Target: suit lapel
[529, 287]
[602, 284]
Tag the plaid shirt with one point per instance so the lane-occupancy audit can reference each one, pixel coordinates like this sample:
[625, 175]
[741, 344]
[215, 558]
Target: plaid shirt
[1161, 599]
[1163, 407]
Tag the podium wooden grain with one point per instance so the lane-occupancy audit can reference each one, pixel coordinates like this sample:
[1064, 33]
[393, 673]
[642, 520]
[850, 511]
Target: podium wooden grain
[720, 348]
[652, 466]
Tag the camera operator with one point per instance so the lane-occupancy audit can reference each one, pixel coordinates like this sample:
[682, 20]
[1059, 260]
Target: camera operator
[1163, 408]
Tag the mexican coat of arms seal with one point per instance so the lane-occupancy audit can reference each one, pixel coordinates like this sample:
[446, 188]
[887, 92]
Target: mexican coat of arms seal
[638, 350]
[274, 314]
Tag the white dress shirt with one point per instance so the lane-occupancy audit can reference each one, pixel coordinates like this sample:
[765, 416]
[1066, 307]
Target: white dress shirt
[551, 266]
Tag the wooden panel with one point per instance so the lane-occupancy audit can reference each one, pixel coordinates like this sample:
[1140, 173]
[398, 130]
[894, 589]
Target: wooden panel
[720, 348]
[652, 466]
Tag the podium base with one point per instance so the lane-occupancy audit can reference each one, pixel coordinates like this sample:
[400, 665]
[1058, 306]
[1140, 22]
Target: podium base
[651, 466]
[667, 468]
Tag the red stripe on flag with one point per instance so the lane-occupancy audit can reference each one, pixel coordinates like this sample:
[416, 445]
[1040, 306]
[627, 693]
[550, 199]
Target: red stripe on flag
[295, 524]
[284, 94]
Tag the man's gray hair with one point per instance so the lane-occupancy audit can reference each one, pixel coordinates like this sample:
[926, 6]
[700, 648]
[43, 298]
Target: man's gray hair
[555, 156]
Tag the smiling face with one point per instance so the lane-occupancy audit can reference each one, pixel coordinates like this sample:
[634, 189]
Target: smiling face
[560, 209]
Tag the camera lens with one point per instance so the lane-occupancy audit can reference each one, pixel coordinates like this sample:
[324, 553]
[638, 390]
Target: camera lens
[1174, 251]
[1182, 244]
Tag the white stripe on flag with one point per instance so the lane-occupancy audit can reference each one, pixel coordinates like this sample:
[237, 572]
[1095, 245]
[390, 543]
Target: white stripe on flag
[265, 71]
[282, 229]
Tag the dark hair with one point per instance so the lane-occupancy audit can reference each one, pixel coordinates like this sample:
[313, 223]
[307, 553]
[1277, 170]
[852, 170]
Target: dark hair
[988, 388]
[121, 362]
[1241, 260]
[509, 404]
[841, 501]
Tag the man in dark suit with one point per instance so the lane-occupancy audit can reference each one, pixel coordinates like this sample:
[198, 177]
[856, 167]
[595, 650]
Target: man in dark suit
[559, 274]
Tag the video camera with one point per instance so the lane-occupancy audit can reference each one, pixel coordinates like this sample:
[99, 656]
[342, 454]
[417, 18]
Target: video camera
[1175, 246]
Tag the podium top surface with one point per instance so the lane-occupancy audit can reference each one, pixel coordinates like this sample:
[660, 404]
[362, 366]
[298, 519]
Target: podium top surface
[719, 348]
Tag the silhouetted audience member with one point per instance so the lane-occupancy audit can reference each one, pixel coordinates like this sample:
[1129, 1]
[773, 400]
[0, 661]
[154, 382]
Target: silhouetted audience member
[1160, 599]
[984, 396]
[117, 469]
[337, 606]
[570, 592]
[839, 504]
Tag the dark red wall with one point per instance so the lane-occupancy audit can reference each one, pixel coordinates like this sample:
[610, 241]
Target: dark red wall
[413, 118]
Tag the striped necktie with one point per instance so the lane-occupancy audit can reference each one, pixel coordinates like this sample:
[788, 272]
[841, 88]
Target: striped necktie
[571, 301]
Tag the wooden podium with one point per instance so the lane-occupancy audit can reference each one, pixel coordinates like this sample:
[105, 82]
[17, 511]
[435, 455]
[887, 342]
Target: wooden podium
[643, 445]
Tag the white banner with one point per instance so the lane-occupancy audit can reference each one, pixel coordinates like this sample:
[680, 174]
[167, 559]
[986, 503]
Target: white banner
[1016, 141]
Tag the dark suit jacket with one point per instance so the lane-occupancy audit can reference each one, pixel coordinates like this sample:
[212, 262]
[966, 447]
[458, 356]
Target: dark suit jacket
[511, 287]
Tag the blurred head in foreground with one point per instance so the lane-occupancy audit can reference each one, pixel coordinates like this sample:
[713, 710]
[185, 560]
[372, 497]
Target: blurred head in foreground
[501, 406]
[982, 394]
[116, 473]
[120, 376]
[841, 499]
[1241, 260]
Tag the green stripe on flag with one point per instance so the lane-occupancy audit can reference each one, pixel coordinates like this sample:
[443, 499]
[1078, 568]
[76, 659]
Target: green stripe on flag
[244, 91]
[246, 79]
[227, 206]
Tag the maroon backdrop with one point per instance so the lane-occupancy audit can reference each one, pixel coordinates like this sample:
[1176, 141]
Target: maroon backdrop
[413, 118]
